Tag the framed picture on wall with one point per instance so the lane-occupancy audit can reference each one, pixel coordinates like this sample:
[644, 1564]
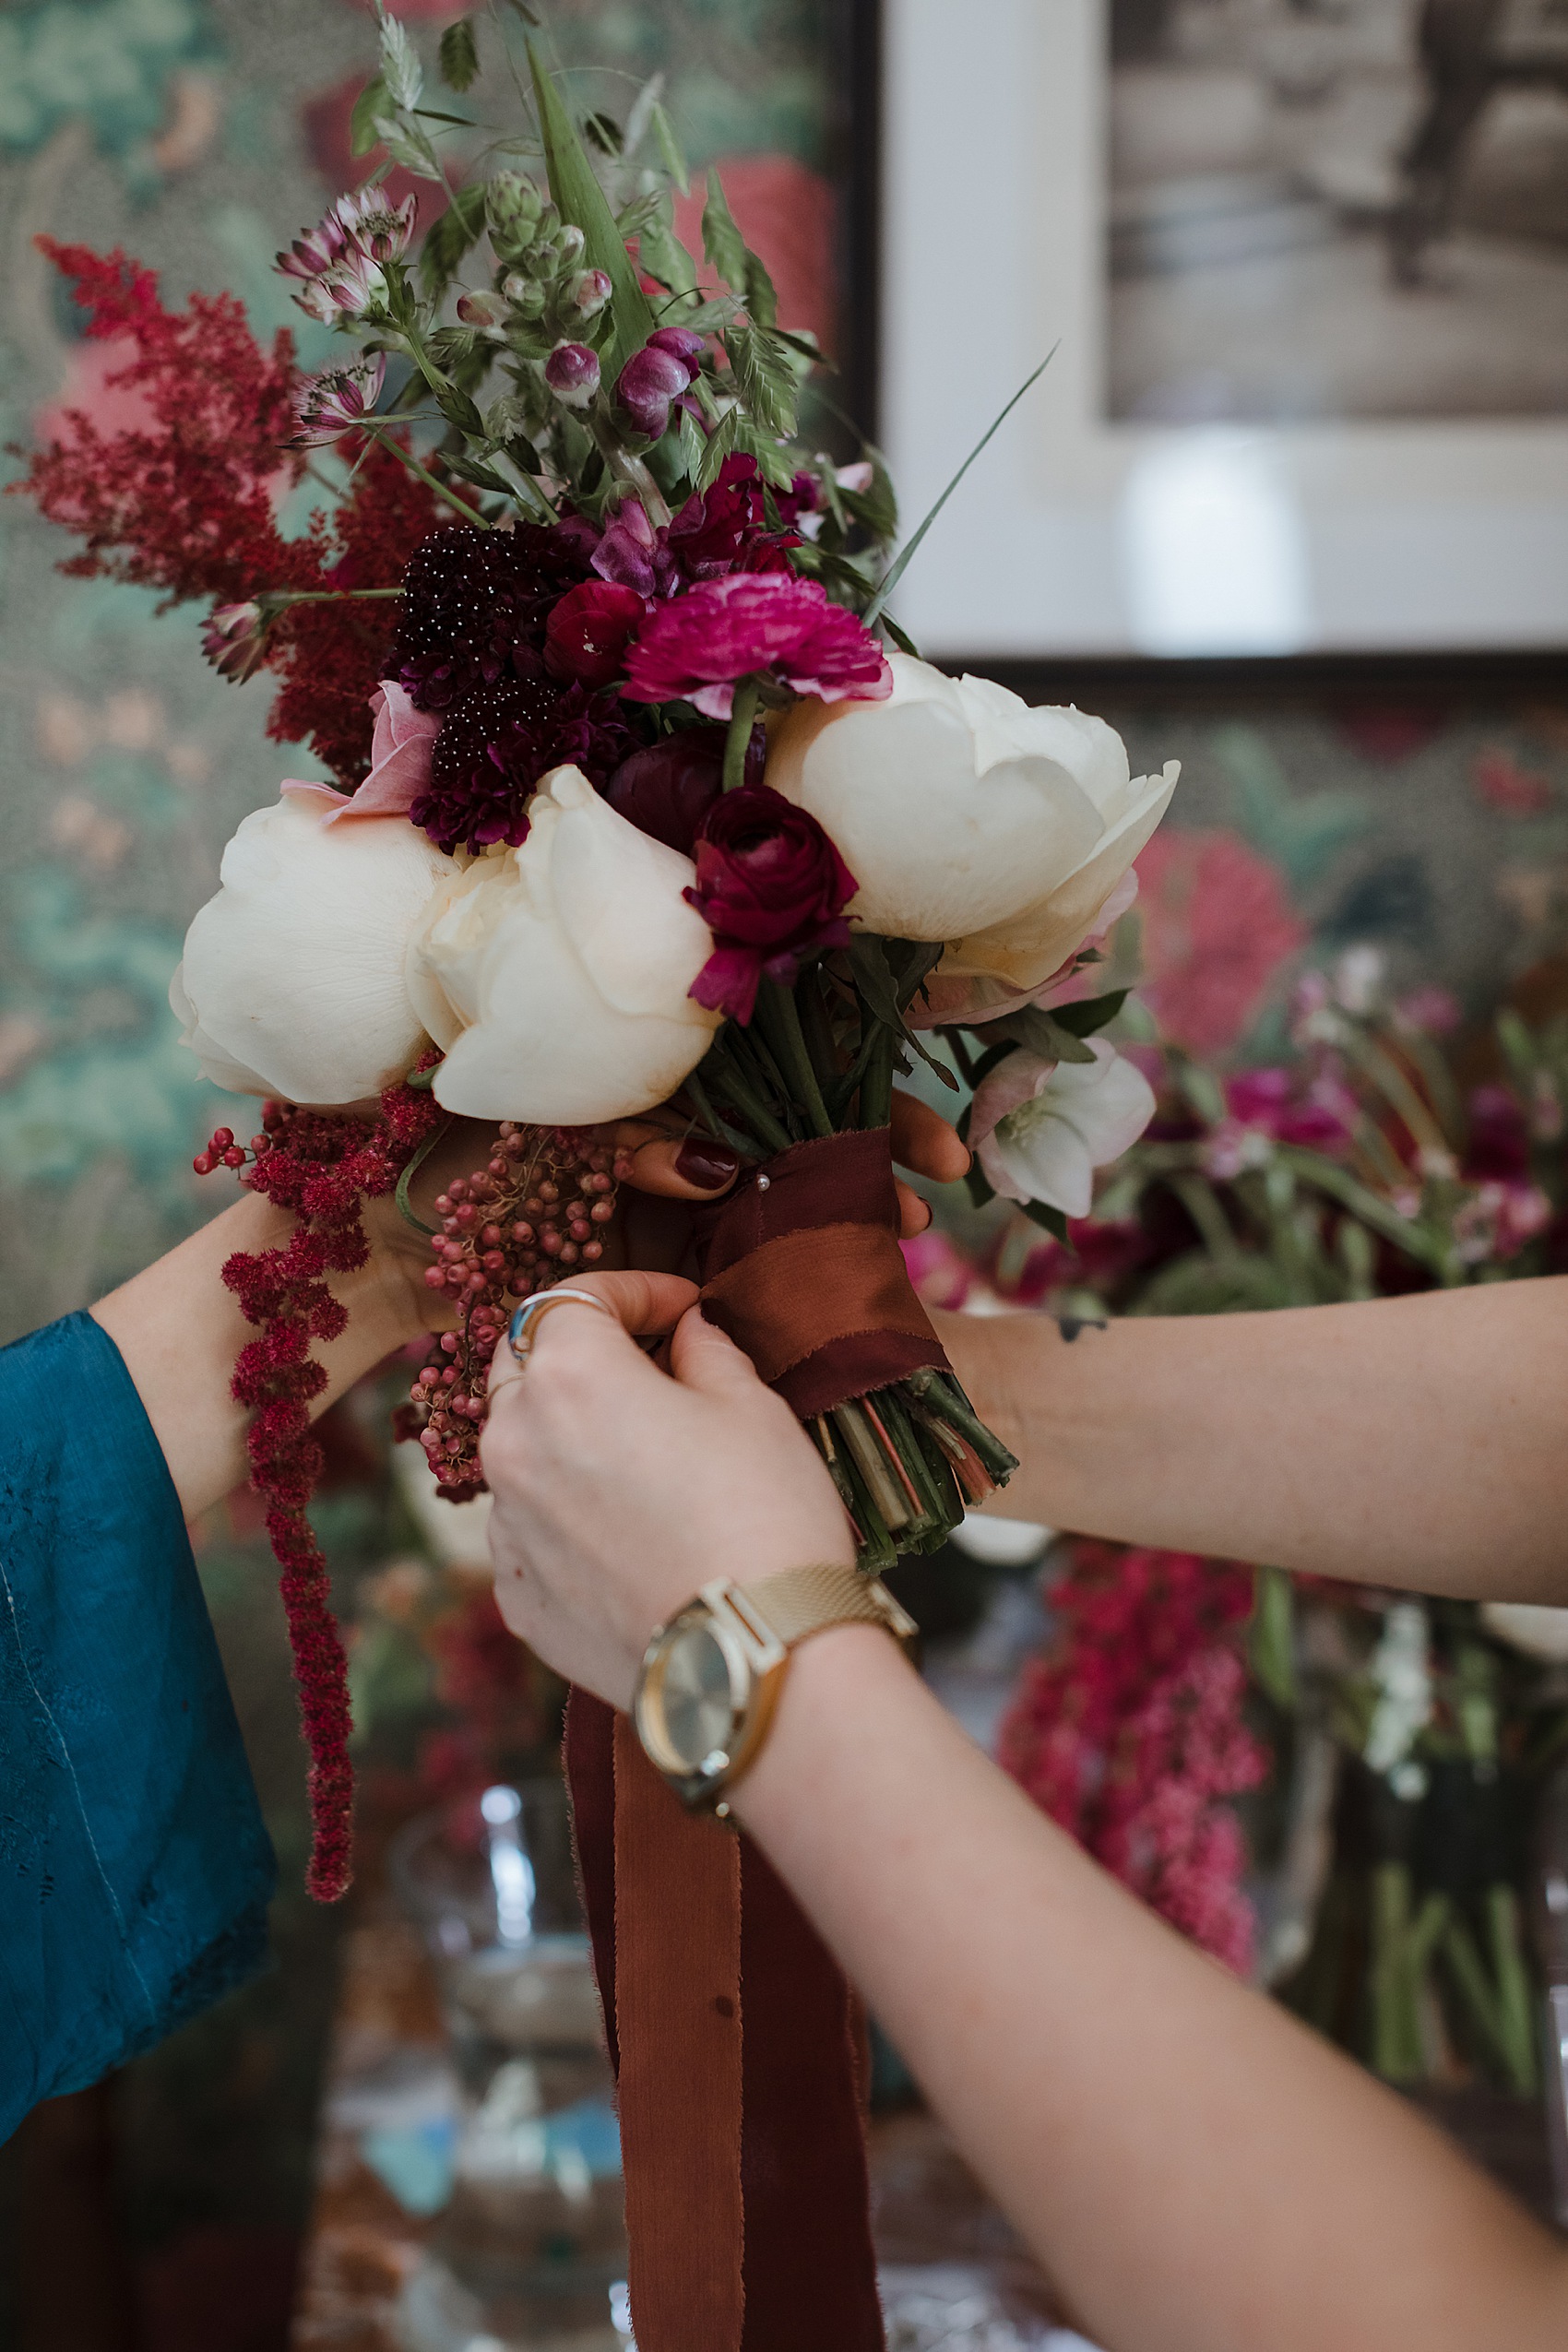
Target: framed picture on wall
[1302, 270]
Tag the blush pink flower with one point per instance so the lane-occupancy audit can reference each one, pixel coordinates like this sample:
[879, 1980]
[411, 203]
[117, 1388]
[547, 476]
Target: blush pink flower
[1218, 928]
[697, 648]
[399, 761]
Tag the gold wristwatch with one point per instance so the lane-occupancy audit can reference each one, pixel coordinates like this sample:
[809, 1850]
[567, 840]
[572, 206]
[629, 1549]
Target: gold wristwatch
[711, 1677]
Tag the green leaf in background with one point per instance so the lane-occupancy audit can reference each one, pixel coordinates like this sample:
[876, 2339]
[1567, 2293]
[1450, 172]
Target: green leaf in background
[761, 300]
[1271, 1631]
[521, 8]
[605, 133]
[459, 54]
[721, 240]
[408, 145]
[1301, 832]
[580, 199]
[450, 238]
[670, 149]
[873, 979]
[1053, 1220]
[372, 102]
[764, 378]
[663, 256]
[401, 65]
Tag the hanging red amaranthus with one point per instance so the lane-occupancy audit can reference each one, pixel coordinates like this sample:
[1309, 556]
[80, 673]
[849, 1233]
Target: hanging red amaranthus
[322, 1170]
[185, 501]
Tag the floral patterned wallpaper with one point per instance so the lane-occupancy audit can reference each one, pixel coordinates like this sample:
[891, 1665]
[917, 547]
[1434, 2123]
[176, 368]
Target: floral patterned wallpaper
[201, 135]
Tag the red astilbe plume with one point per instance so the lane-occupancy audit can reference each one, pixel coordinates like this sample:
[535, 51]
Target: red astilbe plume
[322, 1170]
[332, 657]
[185, 501]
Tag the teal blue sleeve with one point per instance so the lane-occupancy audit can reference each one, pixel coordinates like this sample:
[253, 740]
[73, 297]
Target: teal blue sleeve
[134, 1869]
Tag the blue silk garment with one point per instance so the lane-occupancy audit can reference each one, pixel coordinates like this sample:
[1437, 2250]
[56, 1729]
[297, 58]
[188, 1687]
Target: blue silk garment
[134, 1870]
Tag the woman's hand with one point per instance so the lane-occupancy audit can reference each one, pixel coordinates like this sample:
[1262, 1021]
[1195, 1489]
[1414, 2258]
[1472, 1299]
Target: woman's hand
[620, 1490]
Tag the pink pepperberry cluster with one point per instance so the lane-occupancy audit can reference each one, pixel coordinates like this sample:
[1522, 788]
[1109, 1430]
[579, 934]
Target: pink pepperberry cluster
[222, 1151]
[529, 1218]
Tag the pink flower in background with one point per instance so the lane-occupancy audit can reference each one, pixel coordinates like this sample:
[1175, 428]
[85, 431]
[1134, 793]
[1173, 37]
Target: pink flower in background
[1430, 1011]
[1501, 783]
[1276, 1106]
[1129, 1731]
[697, 648]
[1218, 928]
[943, 1276]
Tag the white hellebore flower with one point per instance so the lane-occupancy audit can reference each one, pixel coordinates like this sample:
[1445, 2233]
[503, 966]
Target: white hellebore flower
[556, 975]
[293, 978]
[1040, 1129]
[967, 816]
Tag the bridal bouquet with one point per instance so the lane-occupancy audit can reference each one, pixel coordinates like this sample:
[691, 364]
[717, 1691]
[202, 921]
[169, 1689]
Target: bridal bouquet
[644, 804]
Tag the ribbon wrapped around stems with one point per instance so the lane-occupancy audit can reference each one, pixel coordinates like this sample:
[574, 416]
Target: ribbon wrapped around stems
[740, 2045]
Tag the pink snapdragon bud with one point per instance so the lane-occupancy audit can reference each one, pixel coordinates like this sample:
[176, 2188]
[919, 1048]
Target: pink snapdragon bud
[588, 292]
[656, 376]
[572, 373]
[481, 310]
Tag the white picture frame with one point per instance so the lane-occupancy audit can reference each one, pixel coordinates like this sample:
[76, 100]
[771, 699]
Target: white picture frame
[1072, 535]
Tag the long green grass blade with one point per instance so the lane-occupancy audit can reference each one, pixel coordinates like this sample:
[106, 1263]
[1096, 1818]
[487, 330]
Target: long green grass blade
[580, 199]
[900, 563]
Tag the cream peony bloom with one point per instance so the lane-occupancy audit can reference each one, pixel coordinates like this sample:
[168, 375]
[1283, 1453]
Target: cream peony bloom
[556, 975]
[1040, 1129]
[969, 817]
[293, 978]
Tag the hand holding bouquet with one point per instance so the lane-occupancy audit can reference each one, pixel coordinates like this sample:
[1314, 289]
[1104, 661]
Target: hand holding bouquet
[651, 806]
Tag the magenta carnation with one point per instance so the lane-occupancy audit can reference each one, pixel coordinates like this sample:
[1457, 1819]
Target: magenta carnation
[696, 649]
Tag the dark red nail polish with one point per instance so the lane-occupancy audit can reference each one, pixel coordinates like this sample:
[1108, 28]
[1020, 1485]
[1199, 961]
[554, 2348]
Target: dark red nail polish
[707, 1165]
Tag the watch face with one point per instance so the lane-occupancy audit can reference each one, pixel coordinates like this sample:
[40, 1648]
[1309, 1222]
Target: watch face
[694, 1695]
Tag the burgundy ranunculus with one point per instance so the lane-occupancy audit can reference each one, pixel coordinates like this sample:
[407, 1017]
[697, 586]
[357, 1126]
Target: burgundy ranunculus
[588, 633]
[667, 789]
[772, 889]
[696, 647]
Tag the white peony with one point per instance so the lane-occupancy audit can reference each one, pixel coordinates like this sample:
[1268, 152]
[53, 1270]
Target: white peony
[556, 975]
[1040, 1129]
[967, 816]
[293, 981]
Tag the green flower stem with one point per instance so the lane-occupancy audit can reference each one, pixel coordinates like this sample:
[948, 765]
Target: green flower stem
[1365, 1204]
[1399, 1092]
[625, 468]
[781, 1020]
[1395, 2025]
[732, 1082]
[1202, 1203]
[1468, 1974]
[282, 597]
[742, 717]
[1515, 2002]
[719, 1128]
[442, 490]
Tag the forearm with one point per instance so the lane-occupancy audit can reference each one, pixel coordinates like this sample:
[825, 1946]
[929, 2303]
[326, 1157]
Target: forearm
[1198, 2173]
[1421, 1442]
[180, 1329]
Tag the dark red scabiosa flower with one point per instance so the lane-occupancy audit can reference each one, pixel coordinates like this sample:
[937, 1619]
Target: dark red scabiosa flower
[588, 633]
[723, 528]
[772, 889]
[471, 644]
[668, 788]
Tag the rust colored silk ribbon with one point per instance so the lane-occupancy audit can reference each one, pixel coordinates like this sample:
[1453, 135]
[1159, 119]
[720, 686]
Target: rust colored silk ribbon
[741, 2076]
[802, 1267]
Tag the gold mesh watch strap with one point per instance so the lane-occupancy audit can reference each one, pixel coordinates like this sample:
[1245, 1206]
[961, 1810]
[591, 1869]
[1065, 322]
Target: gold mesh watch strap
[808, 1600]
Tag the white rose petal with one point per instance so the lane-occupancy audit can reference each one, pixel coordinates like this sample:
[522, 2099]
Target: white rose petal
[558, 975]
[293, 981]
[960, 812]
